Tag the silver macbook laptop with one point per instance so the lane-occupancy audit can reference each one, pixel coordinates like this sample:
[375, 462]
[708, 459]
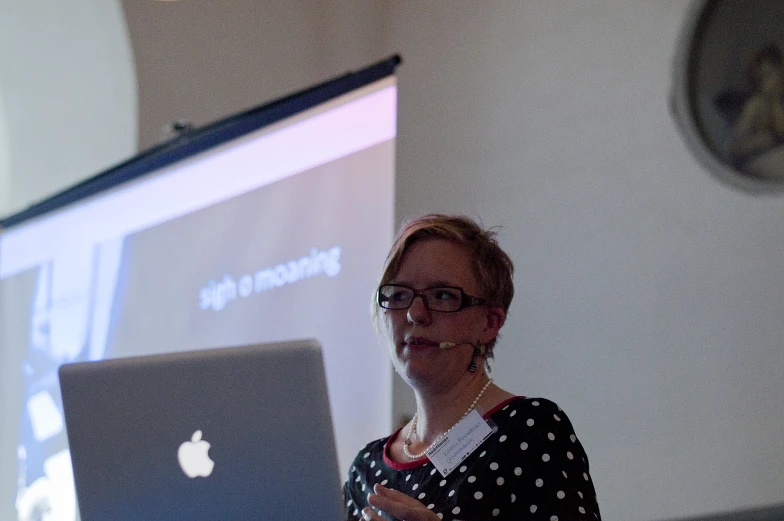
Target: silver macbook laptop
[224, 434]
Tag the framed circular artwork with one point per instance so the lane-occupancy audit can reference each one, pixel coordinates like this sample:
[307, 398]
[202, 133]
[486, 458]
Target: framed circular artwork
[728, 92]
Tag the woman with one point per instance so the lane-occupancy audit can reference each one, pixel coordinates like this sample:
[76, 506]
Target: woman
[757, 143]
[444, 295]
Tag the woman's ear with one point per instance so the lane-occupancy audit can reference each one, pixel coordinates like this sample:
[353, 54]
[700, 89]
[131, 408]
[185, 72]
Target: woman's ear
[495, 320]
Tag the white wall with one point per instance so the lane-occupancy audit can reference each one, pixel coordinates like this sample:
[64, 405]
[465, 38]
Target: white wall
[5, 160]
[650, 297]
[202, 60]
[69, 91]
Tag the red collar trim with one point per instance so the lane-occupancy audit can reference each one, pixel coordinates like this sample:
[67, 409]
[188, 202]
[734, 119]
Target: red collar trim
[421, 461]
[501, 406]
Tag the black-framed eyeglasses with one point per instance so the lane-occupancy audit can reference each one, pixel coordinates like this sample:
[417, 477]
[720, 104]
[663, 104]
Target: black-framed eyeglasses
[444, 299]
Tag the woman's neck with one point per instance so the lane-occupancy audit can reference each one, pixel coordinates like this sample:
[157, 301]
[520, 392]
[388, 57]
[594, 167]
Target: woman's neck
[439, 410]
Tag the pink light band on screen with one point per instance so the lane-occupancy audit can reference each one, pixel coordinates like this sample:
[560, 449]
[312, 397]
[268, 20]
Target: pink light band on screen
[253, 161]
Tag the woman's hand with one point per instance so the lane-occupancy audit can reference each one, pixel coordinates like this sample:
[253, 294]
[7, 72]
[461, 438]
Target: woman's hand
[398, 504]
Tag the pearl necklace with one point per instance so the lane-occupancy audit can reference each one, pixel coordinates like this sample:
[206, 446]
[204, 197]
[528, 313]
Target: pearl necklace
[412, 428]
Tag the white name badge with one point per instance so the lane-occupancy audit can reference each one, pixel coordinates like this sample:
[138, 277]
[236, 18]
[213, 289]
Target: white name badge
[459, 443]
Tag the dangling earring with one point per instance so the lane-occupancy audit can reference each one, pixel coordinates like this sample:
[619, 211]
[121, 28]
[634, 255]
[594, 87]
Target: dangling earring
[478, 351]
[472, 366]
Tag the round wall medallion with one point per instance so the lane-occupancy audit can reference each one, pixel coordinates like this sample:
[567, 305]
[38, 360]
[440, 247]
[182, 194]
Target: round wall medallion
[728, 92]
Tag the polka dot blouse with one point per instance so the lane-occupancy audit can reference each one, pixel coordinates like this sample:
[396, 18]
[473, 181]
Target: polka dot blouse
[532, 467]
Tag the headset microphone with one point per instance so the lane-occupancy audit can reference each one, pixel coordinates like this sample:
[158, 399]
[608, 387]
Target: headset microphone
[449, 345]
[479, 350]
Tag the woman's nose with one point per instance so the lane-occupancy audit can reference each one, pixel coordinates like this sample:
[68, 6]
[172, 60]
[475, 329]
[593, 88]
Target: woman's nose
[418, 312]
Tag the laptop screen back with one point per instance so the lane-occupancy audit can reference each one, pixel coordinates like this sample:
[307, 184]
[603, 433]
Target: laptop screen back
[235, 433]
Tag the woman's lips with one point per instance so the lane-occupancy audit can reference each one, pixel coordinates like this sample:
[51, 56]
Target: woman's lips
[420, 342]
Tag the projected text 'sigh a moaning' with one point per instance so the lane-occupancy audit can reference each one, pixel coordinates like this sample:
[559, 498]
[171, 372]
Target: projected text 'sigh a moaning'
[216, 294]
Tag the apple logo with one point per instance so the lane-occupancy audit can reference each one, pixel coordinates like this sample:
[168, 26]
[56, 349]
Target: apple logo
[193, 457]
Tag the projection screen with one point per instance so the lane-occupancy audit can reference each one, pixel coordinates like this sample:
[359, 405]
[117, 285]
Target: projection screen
[269, 225]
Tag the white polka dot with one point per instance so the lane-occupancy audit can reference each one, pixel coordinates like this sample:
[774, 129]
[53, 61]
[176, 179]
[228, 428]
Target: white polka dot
[496, 512]
[502, 438]
[471, 479]
[573, 438]
[500, 481]
[421, 495]
[385, 482]
[557, 418]
[559, 408]
[494, 466]
[513, 413]
[353, 468]
[366, 455]
[363, 487]
[463, 468]
[430, 506]
[564, 474]
[580, 494]
[357, 480]
[416, 486]
[451, 493]
[356, 511]
[561, 494]
[456, 510]
[570, 455]
[372, 464]
[585, 475]
[349, 502]
[518, 471]
[524, 446]
[505, 407]
[483, 453]
[443, 482]
[533, 508]
[530, 422]
[408, 477]
[378, 472]
[582, 510]
[539, 482]
[551, 436]
[545, 457]
[432, 472]
[514, 498]
[553, 518]
[440, 515]
[535, 403]
[478, 494]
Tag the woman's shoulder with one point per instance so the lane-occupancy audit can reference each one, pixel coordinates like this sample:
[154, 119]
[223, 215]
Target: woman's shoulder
[526, 413]
[370, 453]
[520, 404]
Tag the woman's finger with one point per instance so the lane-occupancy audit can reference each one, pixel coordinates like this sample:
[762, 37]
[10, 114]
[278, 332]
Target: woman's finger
[369, 515]
[400, 505]
[392, 506]
[391, 493]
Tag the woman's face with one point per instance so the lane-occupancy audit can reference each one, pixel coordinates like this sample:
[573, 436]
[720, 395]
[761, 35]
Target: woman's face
[415, 333]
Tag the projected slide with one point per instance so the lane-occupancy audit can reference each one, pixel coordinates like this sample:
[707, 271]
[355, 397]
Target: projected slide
[278, 236]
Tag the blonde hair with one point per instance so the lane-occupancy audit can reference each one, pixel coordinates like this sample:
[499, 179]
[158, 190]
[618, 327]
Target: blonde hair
[492, 267]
